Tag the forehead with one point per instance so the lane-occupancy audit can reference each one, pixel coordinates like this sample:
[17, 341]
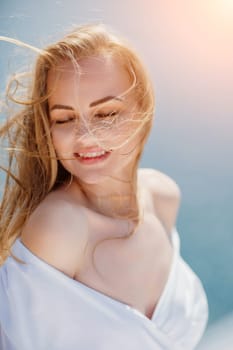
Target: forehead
[88, 74]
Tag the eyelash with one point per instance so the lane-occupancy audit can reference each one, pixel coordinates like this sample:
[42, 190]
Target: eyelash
[99, 115]
[65, 120]
[109, 114]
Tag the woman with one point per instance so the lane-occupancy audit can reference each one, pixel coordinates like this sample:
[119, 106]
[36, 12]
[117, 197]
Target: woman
[90, 252]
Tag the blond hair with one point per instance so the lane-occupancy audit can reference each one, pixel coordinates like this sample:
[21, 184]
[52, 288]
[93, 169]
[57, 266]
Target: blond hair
[32, 168]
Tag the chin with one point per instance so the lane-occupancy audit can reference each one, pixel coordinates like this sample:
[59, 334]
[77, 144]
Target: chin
[91, 179]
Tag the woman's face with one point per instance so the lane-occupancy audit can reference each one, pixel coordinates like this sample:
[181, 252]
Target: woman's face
[95, 122]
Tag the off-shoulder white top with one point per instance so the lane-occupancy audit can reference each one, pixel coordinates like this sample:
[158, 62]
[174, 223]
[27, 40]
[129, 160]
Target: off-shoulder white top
[41, 308]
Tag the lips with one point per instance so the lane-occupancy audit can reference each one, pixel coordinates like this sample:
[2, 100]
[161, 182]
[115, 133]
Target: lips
[91, 153]
[91, 157]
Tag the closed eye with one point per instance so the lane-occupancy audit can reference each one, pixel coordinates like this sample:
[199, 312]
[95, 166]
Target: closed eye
[63, 121]
[109, 114]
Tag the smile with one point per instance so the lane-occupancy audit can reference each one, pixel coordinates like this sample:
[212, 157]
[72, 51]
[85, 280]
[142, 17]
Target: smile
[92, 154]
[92, 157]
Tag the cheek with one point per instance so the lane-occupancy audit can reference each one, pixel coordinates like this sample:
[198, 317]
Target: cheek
[61, 141]
[124, 136]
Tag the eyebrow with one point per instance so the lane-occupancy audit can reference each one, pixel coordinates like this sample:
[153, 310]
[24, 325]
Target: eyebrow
[105, 99]
[92, 104]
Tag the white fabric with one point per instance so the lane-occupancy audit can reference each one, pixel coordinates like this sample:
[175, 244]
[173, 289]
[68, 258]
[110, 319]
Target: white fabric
[41, 308]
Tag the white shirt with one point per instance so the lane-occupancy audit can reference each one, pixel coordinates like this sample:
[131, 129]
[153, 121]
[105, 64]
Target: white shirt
[41, 308]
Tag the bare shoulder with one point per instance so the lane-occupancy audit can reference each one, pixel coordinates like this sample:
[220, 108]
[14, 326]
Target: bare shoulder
[166, 195]
[159, 182]
[57, 233]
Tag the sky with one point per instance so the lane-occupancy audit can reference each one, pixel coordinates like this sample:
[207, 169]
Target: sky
[186, 44]
[187, 47]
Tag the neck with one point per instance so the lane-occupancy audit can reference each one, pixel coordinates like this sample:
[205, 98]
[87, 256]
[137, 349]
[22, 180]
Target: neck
[114, 197]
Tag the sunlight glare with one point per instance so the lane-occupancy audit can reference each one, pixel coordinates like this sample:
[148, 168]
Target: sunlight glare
[221, 12]
[224, 7]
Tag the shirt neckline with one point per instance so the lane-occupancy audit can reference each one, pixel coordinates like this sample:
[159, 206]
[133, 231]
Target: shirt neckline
[105, 297]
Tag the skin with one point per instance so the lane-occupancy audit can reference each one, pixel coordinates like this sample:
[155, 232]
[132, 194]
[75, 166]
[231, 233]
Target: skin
[132, 271]
[100, 78]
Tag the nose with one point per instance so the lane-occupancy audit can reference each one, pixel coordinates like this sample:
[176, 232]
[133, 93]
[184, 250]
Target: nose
[81, 127]
[84, 134]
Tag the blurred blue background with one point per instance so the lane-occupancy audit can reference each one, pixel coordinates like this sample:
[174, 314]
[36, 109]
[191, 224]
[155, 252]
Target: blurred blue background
[187, 47]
